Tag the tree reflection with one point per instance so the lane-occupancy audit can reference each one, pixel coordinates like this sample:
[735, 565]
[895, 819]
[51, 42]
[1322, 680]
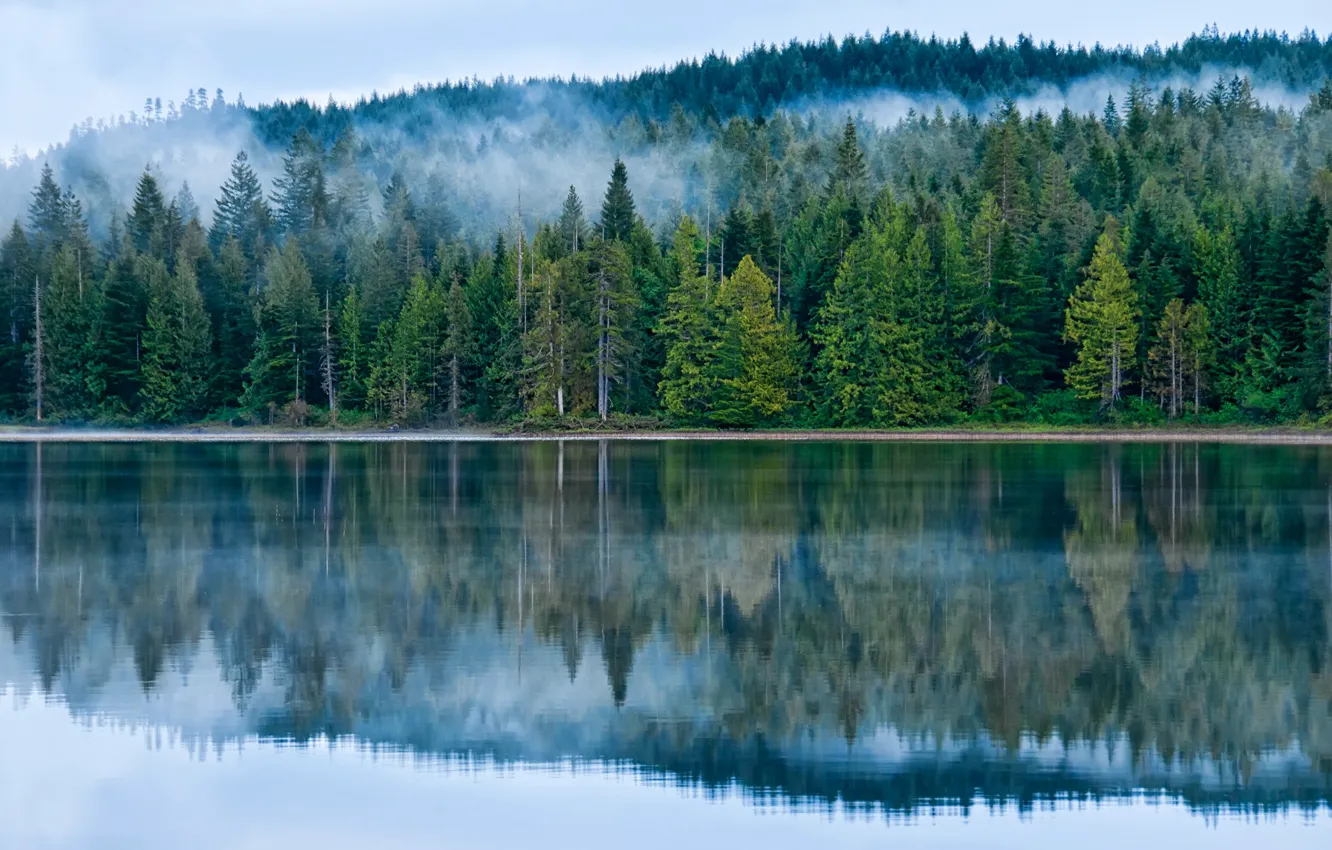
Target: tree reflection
[747, 601]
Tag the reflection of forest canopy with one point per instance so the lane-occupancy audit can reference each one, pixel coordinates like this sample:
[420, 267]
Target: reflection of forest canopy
[980, 593]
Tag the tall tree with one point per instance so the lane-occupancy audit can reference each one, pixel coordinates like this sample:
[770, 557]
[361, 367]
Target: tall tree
[288, 319]
[177, 345]
[757, 354]
[1102, 321]
[617, 210]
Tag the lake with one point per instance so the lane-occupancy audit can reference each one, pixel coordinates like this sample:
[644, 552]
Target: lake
[665, 644]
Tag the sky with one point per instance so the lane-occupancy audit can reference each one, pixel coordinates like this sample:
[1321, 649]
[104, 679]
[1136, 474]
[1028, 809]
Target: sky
[65, 60]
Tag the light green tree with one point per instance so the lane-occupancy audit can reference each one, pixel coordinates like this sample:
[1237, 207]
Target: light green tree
[757, 355]
[1101, 320]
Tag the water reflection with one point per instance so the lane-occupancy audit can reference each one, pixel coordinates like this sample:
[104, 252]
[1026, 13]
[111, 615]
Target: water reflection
[892, 626]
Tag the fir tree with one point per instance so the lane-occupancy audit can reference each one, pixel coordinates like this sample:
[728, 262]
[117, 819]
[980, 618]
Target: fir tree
[242, 212]
[757, 354]
[147, 225]
[288, 318]
[1102, 321]
[177, 346]
[691, 331]
[617, 210]
[572, 225]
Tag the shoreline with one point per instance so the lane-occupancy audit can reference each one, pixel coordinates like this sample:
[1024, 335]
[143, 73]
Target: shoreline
[1255, 436]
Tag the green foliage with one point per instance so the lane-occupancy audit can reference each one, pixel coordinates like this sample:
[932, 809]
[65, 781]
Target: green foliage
[939, 270]
[757, 354]
[285, 354]
[1102, 321]
[177, 347]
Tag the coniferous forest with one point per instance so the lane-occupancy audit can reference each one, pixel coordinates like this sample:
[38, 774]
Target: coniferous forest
[745, 260]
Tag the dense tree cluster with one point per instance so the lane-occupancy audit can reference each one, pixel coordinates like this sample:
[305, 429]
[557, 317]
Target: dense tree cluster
[1167, 258]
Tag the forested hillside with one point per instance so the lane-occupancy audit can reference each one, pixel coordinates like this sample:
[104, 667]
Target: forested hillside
[746, 260]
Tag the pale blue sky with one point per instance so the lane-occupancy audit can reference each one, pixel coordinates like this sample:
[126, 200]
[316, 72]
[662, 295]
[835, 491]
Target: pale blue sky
[64, 60]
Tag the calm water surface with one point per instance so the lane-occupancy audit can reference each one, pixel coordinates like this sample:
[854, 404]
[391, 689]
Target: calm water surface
[664, 645]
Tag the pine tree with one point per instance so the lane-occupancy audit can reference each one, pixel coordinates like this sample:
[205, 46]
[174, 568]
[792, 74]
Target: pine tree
[572, 225]
[1217, 268]
[352, 364]
[458, 347]
[1168, 357]
[16, 315]
[691, 330]
[617, 210]
[402, 377]
[242, 213]
[300, 196]
[234, 318]
[1198, 351]
[147, 225]
[71, 357]
[757, 355]
[288, 318]
[177, 345]
[1102, 321]
[47, 215]
[849, 173]
[617, 302]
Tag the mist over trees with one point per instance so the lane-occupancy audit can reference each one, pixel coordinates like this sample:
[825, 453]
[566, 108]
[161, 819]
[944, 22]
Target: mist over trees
[717, 254]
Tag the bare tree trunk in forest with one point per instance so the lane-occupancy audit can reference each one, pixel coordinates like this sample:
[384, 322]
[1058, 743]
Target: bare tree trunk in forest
[326, 364]
[603, 400]
[39, 345]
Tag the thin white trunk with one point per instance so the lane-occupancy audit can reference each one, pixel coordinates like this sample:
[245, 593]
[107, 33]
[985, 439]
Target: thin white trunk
[39, 345]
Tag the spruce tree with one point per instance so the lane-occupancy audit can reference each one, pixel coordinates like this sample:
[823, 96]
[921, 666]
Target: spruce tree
[242, 213]
[147, 225]
[177, 346]
[458, 348]
[849, 172]
[617, 210]
[285, 354]
[352, 354]
[691, 330]
[16, 314]
[757, 355]
[71, 315]
[1102, 321]
[572, 225]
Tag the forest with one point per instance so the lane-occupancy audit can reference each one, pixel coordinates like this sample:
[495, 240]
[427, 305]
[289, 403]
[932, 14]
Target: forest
[748, 264]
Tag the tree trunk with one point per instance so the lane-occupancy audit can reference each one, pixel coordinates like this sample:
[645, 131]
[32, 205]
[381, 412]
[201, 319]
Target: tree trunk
[39, 345]
[603, 399]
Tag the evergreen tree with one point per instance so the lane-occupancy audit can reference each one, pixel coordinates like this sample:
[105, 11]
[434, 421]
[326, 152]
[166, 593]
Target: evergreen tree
[458, 348]
[147, 225]
[288, 318]
[242, 213]
[177, 346]
[757, 354]
[16, 286]
[572, 225]
[1102, 321]
[71, 314]
[47, 215]
[233, 315]
[300, 196]
[352, 355]
[690, 328]
[617, 210]
[849, 173]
